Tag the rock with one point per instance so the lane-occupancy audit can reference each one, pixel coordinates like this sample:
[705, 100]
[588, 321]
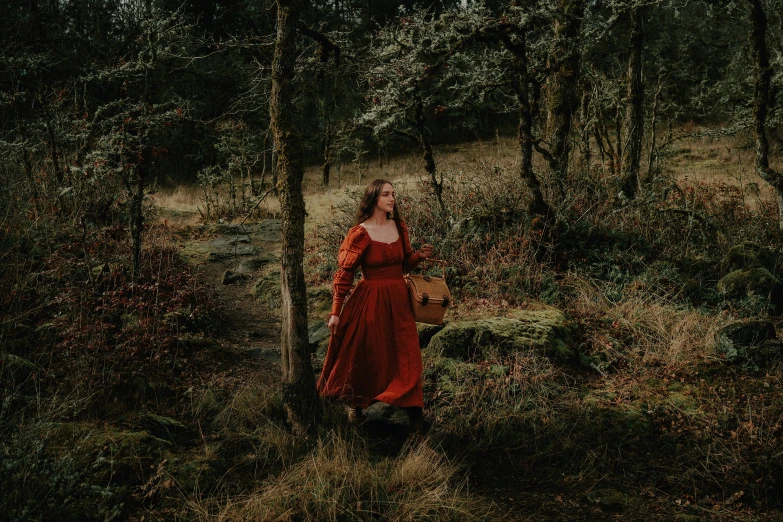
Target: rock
[267, 354]
[608, 498]
[230, 278]
[228, 242]
[227, 247]
[767, 352]
[427, 332]
[748, 340]
[267, 289]
[251, 265]
[318, 337]
[383, 420]
[753, 281]
[747, 255]
[544, 330]
[268, 230]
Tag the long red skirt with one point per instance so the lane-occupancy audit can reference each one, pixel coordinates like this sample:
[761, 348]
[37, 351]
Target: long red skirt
[375, 355]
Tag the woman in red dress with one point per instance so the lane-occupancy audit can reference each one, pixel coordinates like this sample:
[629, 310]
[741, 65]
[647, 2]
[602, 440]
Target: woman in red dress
[374, 352]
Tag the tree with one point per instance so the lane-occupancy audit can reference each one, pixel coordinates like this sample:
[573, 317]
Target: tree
[764, 100]
[299, 393]
[562, 85]
[126, 134]
[634, 122]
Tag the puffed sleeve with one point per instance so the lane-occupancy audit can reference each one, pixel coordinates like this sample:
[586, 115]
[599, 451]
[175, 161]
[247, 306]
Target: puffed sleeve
[411, 259]
[349, 257]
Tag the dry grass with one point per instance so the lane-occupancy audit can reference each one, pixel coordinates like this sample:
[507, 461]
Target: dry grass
[653, 331]
[338, 480]
[727, 160]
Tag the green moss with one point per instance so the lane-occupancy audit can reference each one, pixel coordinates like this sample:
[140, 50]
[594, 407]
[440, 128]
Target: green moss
[544, 330]
[267, 289]
[746, 255]
[743, 282]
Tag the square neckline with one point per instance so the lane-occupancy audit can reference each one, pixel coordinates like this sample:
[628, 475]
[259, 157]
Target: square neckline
[399, 236]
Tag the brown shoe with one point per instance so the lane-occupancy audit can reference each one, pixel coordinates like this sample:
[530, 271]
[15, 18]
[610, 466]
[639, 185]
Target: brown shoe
[355, 415]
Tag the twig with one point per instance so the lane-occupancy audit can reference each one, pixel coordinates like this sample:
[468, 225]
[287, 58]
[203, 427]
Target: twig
[256, 205]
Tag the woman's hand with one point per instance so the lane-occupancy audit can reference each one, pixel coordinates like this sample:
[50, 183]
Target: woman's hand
[332, 324]
[426, 251]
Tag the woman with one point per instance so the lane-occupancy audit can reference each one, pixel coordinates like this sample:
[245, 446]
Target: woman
[374, 350]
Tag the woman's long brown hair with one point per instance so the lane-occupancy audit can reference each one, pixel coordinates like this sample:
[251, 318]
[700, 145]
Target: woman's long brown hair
[370, 200]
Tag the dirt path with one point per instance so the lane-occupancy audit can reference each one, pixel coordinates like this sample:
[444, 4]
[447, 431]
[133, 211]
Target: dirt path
[232, 260]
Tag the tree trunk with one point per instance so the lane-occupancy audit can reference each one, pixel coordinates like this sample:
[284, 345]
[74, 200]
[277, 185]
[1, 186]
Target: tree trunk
[327, 166]
[635, 112]
[136, 184]
[537, 206]
[563, 99]
[299, 395]
[653, 136]
[758, 40]
[429, 158]
[586, 152]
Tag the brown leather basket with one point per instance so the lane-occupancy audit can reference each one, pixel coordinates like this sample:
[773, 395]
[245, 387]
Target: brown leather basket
[429, 295]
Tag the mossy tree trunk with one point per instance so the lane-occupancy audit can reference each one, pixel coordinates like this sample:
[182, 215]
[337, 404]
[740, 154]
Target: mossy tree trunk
[635, 111]
[299, 393]
[758, 40]
[562, 89]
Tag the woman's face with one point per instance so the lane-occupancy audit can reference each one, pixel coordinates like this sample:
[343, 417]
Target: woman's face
[385, 201]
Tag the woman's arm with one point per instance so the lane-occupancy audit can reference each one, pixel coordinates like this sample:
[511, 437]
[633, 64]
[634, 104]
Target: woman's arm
[349, 257]
[412, 259]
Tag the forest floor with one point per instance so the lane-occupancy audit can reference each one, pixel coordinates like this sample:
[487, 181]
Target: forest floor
[160, 399]
[509, 485]
[514, 484]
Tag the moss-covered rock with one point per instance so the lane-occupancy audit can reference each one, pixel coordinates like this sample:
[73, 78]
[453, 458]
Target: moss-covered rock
[318, 337]
[749, 341]
[747, 255]
[75, 471]
[545, 330]
[267, 289]
[753, 281]
[427, 332]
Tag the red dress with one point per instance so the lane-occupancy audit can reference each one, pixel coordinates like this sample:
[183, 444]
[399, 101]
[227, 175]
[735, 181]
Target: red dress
[375, 355]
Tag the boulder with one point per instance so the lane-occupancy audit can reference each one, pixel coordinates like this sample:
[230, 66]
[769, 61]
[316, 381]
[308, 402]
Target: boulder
[427, 332]
[267, 354]
[747, 255]
[753, 341]
[545, 330]
[230, 278]
[752, 281]
[318, 337]
[253, 264]
[319, 300]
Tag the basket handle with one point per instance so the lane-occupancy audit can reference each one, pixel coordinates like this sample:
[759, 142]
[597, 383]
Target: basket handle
[440, 262]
